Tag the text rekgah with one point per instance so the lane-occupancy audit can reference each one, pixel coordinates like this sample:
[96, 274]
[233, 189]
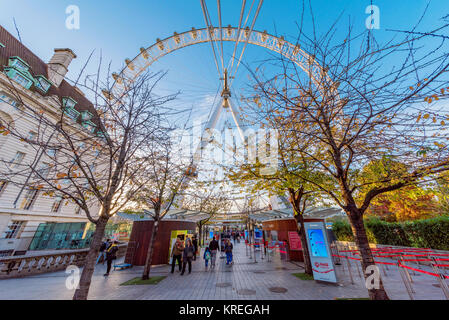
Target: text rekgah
[226, 309]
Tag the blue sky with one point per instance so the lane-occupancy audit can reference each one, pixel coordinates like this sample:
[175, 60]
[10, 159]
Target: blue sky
[119, 28]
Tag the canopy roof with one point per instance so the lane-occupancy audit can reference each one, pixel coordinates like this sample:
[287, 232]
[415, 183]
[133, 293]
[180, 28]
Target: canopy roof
[195, 216]
[286, 213]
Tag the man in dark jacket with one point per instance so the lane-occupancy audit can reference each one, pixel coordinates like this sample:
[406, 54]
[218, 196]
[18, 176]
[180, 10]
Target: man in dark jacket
[213, 246]
[195, 246]
[228, 251]
[111, 254]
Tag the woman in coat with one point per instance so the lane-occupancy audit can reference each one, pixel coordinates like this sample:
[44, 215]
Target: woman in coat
[187, 256]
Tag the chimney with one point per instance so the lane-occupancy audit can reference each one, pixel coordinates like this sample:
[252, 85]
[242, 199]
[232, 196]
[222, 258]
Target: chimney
[58, 65]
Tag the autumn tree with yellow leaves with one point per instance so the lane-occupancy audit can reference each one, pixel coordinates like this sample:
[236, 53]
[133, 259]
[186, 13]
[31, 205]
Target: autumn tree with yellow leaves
[361, 100]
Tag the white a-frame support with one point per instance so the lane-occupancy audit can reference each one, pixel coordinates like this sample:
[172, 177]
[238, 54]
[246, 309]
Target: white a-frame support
[207, 132]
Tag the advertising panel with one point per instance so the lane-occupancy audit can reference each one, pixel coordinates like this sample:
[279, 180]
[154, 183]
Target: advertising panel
[294, 241]
[319, 251]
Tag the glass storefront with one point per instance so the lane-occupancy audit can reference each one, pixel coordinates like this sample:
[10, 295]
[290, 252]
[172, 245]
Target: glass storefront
[51, 236]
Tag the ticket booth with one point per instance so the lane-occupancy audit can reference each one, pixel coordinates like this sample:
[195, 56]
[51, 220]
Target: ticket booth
[169, 230]
[285, 230]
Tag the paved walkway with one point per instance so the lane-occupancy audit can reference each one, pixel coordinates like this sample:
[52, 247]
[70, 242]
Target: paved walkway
[245, 279]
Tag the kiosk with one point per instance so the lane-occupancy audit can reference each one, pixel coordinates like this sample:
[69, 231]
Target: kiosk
[169, 230]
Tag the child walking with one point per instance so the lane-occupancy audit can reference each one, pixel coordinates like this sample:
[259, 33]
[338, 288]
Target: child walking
[207, 256]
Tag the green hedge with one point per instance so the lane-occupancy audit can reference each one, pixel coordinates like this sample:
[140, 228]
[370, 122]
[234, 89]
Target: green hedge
[430, 233]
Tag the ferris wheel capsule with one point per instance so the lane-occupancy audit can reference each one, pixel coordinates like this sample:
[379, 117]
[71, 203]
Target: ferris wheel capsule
[160, 44]
[129, 64]
[177, 37]
[144, 53]
[229, 30]
[194, 33]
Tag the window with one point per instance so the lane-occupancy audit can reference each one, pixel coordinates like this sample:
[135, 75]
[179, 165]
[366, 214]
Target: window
[3, 184]
[42, 83]
[18, 63]
[13, 229]
[71, 113]
[23, 78]
[51, 152]
[18, 158]
[29, 198]
[24, 82]
[44, 170]
[86, 115]
[57, 204]
[89, 126]
[7, 99]
[32, 136]
[68, 102]
[17, 70]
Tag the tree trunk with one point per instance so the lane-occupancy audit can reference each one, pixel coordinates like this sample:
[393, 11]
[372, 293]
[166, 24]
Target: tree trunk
[200, 233]
[305, 249]
[149, 258]
[89, 265]
[361, 239]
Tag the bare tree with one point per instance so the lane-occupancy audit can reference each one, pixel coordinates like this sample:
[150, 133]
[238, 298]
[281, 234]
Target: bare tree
[358, 101]
[94, 163]
[208, 202]
[163, 177]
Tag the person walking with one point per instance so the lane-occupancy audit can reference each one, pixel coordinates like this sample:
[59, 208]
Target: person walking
[228, 251]
[176, 254]
[187, 256]
[207, 256]
[213, 247]
[195, 246]
[111, 254]
[103, 248]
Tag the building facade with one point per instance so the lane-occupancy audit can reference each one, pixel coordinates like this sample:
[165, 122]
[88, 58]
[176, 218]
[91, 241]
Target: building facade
[25, 213]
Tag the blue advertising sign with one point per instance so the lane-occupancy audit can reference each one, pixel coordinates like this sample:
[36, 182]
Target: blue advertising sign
[319, 251]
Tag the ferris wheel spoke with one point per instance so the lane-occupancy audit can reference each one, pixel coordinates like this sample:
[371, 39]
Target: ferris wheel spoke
[221, 32]
[210, 30]
[248, 37]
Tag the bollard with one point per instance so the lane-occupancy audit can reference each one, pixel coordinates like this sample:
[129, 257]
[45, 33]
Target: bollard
[255, 259]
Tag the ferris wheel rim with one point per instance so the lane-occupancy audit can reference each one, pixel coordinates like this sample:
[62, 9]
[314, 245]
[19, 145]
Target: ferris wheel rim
[307, 62]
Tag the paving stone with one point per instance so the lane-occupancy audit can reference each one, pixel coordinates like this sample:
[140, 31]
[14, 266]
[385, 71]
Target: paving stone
[244, 276]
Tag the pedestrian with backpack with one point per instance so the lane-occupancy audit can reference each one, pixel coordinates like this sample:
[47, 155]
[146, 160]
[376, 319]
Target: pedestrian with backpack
[103, 248]
[207, 256]
[111, 254]
[228, 251]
